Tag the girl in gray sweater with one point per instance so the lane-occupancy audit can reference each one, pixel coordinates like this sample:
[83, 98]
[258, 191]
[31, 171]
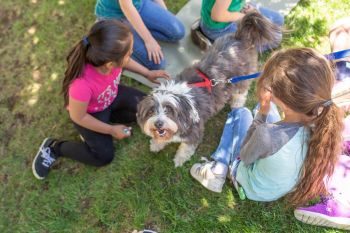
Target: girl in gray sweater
[269, 157]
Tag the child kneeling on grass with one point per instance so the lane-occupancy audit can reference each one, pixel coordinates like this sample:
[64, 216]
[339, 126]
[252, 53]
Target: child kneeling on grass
[269, 158]
[94, 97]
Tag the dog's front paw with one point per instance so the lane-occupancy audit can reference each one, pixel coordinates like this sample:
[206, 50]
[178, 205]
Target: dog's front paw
[184, 153]
[179, 161]
[156, 147]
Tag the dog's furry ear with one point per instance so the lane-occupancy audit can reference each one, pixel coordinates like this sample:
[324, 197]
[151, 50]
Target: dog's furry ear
[188, 114]
[144, 107]
[257, 30]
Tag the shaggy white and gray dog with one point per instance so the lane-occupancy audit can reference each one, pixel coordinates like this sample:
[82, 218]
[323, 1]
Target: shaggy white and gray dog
[177, 112]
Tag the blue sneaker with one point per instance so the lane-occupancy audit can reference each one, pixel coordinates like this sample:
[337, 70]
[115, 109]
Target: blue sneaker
[44, 159]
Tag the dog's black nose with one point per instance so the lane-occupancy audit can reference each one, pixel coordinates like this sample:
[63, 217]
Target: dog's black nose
[159, 124]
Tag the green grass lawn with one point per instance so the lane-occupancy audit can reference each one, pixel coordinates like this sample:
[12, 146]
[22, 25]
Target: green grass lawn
[139, 189]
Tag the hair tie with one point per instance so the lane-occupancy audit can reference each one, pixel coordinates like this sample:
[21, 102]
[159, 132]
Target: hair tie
[327, 103]
[86, 41]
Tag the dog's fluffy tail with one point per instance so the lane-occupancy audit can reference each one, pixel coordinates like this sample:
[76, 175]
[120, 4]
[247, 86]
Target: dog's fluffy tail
[259, 31]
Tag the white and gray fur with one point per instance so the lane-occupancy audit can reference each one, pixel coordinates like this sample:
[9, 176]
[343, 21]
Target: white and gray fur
[175, 112]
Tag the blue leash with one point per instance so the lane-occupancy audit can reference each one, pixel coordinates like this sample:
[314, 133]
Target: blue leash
[331, 56]
[244, 77]
[338, 55]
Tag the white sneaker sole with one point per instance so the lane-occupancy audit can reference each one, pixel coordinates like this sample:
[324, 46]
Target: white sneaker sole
[33, 163]
[322, 220]
[210, 184]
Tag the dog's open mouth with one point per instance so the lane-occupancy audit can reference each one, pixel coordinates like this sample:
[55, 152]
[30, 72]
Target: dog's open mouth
[161, 132]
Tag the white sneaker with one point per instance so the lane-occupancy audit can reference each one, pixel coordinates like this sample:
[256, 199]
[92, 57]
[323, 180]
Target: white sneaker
[204, 174]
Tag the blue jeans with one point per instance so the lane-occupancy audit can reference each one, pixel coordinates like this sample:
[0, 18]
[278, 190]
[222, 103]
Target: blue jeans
[235, 130]
[213, 34]
[162, 24]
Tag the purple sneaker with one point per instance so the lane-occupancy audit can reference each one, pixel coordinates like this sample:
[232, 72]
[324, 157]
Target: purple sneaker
[327, 213]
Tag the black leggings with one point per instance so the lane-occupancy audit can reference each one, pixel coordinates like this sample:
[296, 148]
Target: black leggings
[97, 148]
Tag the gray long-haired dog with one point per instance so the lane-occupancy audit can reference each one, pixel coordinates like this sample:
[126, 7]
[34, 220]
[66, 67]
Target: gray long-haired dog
[176, 111]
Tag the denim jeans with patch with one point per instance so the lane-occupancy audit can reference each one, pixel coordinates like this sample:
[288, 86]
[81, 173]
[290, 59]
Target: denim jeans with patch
[235, 129]
[162, 24]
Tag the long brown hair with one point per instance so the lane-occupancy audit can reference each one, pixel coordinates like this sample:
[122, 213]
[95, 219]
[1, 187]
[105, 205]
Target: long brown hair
[107, 41]
[303, 79]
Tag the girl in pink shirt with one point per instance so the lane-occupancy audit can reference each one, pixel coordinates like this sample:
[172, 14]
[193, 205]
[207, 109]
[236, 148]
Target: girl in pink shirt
[94, 97]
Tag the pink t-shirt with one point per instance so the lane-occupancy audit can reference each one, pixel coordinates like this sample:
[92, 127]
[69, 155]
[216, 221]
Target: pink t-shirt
[98, 89]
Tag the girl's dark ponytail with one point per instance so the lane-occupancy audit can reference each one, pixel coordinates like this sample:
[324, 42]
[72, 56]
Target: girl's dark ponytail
[76, 62]
[107, 41]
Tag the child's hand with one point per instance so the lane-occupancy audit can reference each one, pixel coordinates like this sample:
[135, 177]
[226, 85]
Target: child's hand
[154, 50]
[152, 75]
[265, 99]
[247, 7]
[120, 131]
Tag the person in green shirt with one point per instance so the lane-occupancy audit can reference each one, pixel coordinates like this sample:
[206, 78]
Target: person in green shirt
[220, 17]
[150, 22]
